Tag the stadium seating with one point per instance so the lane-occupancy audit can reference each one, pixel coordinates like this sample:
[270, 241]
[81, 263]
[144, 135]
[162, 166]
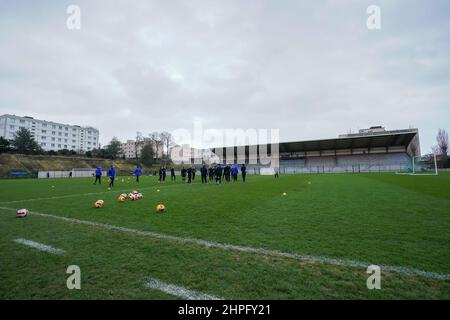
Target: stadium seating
[386, 162]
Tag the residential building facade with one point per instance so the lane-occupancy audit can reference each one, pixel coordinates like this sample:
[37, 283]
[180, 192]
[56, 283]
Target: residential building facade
[51, 135]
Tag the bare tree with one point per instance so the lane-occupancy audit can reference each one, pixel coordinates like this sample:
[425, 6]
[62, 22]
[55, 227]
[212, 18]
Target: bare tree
[155, 139]
[442, 141]
[435, 150]
[167, 141]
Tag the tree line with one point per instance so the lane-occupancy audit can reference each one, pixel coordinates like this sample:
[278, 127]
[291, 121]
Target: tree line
[148, 150]
[151, 149]
[441, 148]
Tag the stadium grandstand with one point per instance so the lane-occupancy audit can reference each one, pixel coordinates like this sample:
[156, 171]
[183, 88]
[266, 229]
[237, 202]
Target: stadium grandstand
[370, 150]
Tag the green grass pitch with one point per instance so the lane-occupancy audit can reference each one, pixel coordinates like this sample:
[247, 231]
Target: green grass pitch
[381, 219]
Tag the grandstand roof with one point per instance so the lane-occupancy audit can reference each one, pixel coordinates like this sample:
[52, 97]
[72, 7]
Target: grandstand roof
[390, 139]
[354, 141]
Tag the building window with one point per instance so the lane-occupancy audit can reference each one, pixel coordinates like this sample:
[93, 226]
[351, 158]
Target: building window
[53, 144]
[67, 129]
[22, 121]
[53, 127]
[73, 147]
[44, 138]
[65, 140]
[43, 144]
[44, 125]
[11, 127]
[60, 127]
[66, 134]
[53, 132]
[59, 139]
[59, 146]
[59, 133]
[53, 139]
[65, 146]
[44, 131]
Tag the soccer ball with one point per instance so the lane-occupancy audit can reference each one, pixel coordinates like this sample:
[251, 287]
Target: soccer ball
[284, 193]
[160, 208]
[134, 197]
[139, 196]
[131, 196]
[123, 195]
[121, 198]
[22, 213]
[135, 192]
[99, 204]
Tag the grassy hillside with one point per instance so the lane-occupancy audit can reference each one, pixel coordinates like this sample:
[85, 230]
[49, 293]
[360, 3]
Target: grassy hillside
[29, 163]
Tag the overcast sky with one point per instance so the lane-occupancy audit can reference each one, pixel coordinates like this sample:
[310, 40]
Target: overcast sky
[311, 69]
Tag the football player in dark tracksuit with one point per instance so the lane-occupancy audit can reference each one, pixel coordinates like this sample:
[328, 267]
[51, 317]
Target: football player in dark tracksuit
[234, 172]
[211, 173]
[204, 174]
[219, 173]
[137, 172]
[112, 176]
[227, 173]
[189, 172]
[243, 172]
[98, 175]
[172, 174]
[183, 174]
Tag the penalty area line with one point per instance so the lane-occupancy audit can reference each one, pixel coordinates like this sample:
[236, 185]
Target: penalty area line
[85, 194]
[69, 196]
[39, 246]
[246, 249]
[174, 290]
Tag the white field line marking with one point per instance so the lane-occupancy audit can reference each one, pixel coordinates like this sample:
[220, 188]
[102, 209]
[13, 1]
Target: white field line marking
[86, 194]
[178, 291]
[39, 246]
[262, 251]
[71, 195]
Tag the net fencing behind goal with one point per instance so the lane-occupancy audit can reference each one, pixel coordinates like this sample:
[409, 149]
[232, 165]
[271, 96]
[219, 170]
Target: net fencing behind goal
[419, 165]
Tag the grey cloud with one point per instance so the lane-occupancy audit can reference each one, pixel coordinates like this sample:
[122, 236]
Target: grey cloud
[311, 69]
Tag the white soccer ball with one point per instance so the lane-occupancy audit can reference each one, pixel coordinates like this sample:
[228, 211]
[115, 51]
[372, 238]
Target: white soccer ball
[22, 213]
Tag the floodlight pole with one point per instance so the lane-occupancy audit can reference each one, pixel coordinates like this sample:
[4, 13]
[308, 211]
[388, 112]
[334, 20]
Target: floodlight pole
[413, 167]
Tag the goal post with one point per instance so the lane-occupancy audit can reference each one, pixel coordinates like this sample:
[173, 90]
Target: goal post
[424, 165]
[420, 165]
